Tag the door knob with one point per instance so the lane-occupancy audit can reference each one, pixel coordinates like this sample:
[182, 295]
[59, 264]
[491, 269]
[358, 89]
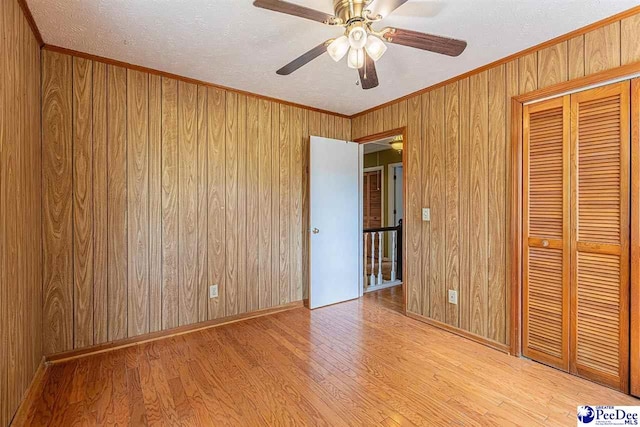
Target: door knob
[545, 243]
[315, 231]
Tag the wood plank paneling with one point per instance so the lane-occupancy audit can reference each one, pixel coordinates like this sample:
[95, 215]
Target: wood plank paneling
[188, 186]
[275, 204]
[528, 67]
[496, 243]
[155, 203]
[202, 287]
[478, 221]
[231, 205]
[437, 171]
[575, 55]
[170, 194]
[216, 154]
[22, 164]
[285, 203]
[452, 186]
[264, 203]
[241, 284]
[296, 232]
[253, 200]
[629, 46]
[82, 202]
[552, 65]
[484, 123]
[138, 202]
[57, 90]
[187, 203]
[117, 212]
[465, 208]
[602, 49]
[425, 194]
[100, 204]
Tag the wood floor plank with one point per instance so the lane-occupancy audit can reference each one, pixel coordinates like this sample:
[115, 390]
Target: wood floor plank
[356, 363]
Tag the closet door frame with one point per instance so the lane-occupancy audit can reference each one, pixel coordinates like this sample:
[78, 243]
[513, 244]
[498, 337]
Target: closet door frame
[627, 72]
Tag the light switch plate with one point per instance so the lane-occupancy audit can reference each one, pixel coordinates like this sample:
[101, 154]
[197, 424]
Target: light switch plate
[453, 297]
[213, 291]
[426, 214]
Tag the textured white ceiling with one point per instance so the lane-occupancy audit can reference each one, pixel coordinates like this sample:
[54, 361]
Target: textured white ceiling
[232, 43]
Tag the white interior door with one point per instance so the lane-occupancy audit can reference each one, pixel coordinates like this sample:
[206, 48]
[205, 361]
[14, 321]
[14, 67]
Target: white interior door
[336, 216]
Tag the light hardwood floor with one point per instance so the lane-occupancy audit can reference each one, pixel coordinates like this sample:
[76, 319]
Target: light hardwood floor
[357, 363]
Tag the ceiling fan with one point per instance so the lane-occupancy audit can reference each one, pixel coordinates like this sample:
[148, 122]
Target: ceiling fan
[362, 45]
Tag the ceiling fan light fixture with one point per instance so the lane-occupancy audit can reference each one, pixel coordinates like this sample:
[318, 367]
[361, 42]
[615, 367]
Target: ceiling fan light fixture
[338, 48]
[356, 58]
[375, 47]
[357, 37]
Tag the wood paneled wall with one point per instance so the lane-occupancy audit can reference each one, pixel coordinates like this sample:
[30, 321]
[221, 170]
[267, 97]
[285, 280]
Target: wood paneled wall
[459, 165]
[156, 188]
[20, 208]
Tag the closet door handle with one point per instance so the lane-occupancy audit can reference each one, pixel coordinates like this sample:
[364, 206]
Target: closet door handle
[545, 243]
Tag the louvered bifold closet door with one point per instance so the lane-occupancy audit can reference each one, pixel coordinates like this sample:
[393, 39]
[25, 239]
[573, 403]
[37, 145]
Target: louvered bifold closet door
[600, 234]
[546, 232]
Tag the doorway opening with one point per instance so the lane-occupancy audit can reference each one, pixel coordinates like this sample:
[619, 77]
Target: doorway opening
[382, 216]
[356, 211]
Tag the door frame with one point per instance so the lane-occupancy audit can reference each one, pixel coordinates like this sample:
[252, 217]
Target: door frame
[405, 143]
[392, 187]
[627, 72]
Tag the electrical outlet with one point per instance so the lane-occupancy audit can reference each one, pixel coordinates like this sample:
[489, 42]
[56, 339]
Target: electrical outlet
[453, 297]
[426, 214]
[213, 291]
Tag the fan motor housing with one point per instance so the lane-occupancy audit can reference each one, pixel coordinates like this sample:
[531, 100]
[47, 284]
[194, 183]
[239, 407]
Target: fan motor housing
[346, 10]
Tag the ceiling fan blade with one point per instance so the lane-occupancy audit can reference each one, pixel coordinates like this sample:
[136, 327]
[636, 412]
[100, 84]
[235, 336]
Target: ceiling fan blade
[368, 73]
[430, 42]
[304, 59]
[383, 8]
[297, 10]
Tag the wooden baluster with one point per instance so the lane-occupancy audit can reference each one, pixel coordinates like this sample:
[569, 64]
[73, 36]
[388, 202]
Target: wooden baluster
[393, 255]
[380, 244]
[366, 235]
[372, 278]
